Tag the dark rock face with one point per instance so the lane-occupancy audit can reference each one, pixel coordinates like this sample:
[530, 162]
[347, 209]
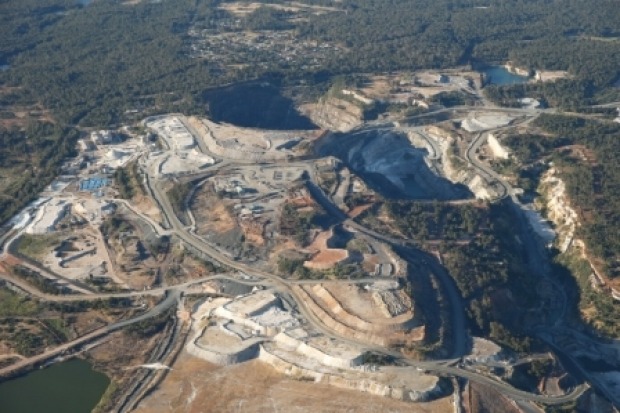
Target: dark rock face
[255, 106]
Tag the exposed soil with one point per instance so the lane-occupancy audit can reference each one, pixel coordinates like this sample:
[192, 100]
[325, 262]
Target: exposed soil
[196, 386]
[211, 214]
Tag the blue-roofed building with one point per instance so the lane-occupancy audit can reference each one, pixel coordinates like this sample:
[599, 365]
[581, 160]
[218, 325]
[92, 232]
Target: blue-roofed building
[93, 184]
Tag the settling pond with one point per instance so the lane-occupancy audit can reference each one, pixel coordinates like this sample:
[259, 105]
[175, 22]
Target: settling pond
[71, 386]
[499, 75]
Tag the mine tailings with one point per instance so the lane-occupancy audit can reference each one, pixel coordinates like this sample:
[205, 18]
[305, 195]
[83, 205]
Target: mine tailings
[70, 386]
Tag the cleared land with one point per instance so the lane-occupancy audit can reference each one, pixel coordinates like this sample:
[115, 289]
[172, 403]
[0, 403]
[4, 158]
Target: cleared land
[197, 386]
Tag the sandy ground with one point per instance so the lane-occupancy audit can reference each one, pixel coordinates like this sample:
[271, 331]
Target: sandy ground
[325, 257]
[87, 238]
[550, 75]
[211, 215]
[195, 386]
[243, 9]
[147, 206]
[355, 301]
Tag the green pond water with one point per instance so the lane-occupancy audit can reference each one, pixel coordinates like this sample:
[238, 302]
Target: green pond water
[68, 387]
[499, 75]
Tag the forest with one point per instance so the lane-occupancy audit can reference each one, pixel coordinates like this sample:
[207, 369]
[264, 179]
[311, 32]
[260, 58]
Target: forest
[585, 154]
[29, 160]
[90, 64]
[593, 185]
[479, 250]
[592, 182]
[106, 63]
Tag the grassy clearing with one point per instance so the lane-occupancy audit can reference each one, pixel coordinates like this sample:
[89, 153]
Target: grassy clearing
[35, 246]
[13, 305]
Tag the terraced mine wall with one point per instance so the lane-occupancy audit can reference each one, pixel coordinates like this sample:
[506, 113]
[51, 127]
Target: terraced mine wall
[365, 385]
[239, 152]
[349, 325]
[316, 354]
[221, 358]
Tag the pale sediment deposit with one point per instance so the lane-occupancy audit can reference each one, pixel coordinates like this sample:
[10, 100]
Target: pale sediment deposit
[48, 215]
[566, 222]
[478, 122]
[456, 169]
[335, 114]
[257, 326]
[233, 142]
[550, 75]
[223, 345]
[185, 162]
[559, 210]
[496, 147]
[389, 163]
[389, 382]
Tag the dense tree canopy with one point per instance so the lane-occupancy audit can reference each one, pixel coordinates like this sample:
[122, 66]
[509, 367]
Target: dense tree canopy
[112, 61]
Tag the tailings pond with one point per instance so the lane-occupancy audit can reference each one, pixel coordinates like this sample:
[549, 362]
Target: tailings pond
[499, 75]
[71, 386]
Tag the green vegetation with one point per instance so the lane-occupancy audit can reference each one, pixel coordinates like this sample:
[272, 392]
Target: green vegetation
[37, 280]
[21, 328]
[115, 223]
[128, 180]
[89, 72]
[35, 246]
[422, 221]
[592, 184]
[27, 342]
[378, 359]
[397, 34]
[358, 245]
[58, 327]
[178, 195]
[106, 402]
[297, 223]
[565, 408]
[149, 327]
[159, 245]
[585, 153]
[29, 159]
[596, 308]
[480, 251]
[13, 305]
[295, 268]
[528, 376]
[208, 265]
[449, 99]
[82, 306]
[529, 148]
[267, 18]
[491, 276]
[29, 326]
[357, 199]
[98, 65]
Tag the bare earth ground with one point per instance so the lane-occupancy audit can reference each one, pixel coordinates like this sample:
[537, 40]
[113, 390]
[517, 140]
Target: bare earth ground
[196, 386]
[211, 214]
[243, 9]
[147, 206]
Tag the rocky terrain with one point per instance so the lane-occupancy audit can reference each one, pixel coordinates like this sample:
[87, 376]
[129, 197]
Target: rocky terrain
[395, 168]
